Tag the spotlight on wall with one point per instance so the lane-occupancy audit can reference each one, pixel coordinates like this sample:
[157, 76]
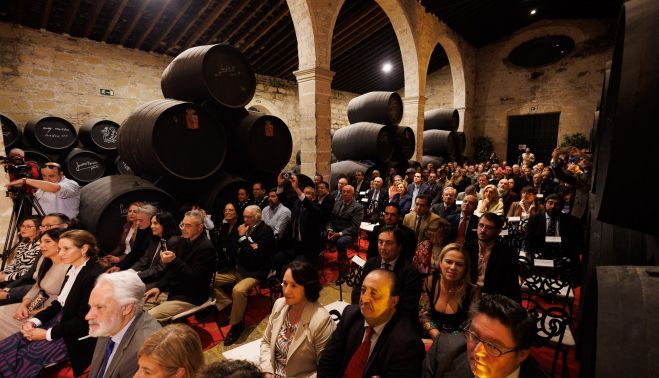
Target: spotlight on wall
[533, 12]
[387, 67]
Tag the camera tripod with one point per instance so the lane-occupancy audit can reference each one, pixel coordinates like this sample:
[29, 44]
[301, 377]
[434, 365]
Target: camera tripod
[24, 202]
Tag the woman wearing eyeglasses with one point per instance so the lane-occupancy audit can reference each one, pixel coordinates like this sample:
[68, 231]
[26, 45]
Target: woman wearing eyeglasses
[447, 293]
[26, 254]
[299, 327]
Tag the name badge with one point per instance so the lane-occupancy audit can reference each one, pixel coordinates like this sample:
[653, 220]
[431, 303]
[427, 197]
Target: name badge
[362, 193]
[552, 239]
[540, 195]
[522, 253]
[358, 260]
[504, 233]
[364, 200]
[514, 219]
[543, 263]
[458, 202]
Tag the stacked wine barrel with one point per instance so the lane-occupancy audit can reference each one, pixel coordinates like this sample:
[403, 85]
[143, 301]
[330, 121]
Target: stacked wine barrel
[441, 140]
[86, 154]
[373, 139]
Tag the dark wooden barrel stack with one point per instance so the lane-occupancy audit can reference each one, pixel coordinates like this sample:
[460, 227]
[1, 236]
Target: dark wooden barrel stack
[441, 140]
[373, 139]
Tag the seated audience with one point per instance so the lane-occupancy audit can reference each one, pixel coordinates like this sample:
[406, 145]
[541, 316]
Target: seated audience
[256, 247]
[495, 269]
[131, 255]
[417, 187]
[189, 267]
[392, 217]
[242, 201]
[491, 203]
[117, 319]
[298, 328]
[421, 218]
[325, 201]
[389, 248]
[258, 195]
[231, 369]
[508, 196]
[129, 231]
[25, 253]
[374, 339]
[276, 215]
[393, 188]
[376, 199]
[53, 334]
[403, 199]
[447, 293]
[166, 234]
[426, 256]
[174, 351]
[553, 222]
[343, 226]
[465, 223]
[526, 207]
[447, 206]
[226, 237]
[495, 344]
[55, 220]
[49, 275]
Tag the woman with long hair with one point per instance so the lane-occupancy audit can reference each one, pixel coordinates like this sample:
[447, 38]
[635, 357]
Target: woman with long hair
[299, 327]
[447, 293]
[26, 253]
[166, 234]
[174, 351]
[491, 202]
[527, 205]
[128, 234]
[226, 238]
[402, 198]
[58, 332]
[426, 256]
[49, 276]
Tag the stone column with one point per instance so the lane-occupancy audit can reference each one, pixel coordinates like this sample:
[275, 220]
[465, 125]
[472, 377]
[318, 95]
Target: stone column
[413, 117]
[315, 92]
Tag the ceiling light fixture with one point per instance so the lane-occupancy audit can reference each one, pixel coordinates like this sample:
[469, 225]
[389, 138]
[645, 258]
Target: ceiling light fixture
[387, 67]
[533, 12]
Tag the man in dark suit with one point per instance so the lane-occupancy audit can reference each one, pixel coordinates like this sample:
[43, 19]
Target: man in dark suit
[377, 199]
[188, 271]
[508, 331]
[409, 279]
[258, 195]
[464, 225]
[305, 224]
[343, 226]
[506, 194]
[447, 206]
[392, 217]
[398, 350]
[116, 316]
[338, 193]
[324, 201]
[418, 187]
[495, 267]
[360, 184]
[554, 223]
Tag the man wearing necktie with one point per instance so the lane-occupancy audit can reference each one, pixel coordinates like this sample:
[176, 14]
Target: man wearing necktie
[117, 318]
[390, 244]
[421, 218]
[373, 339]
[376, 201]
[464, 224]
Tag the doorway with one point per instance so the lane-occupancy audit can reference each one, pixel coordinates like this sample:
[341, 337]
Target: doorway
[539, 132]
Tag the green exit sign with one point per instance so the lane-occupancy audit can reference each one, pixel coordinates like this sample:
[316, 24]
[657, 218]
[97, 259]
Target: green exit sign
[107, 92]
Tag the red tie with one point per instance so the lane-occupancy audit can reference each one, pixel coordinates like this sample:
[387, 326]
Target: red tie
[460, 238]
[357, 363]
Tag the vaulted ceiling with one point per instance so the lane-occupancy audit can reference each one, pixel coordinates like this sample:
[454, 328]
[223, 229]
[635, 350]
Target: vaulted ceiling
[363, 38]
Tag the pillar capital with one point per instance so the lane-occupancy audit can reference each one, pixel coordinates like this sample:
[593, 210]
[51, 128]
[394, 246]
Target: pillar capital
[317, 73]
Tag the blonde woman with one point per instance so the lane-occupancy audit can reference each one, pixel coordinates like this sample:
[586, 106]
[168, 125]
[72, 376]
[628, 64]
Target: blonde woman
[491, 202]
[174, 351]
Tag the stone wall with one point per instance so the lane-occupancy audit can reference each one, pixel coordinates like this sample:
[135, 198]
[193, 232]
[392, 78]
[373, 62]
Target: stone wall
[439, 89]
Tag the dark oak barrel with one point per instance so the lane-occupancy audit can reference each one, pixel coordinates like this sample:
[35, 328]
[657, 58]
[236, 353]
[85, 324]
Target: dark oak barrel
[378, 107]
[11, 133]
[439, 143]
[100, 135]
[104, 202]
[225, 189]
[346, 167]
[121, 166]
[437, 161]
[219, 72]
[50, 134]
[83, 166]
[405, 143]
[170, 137]
[364, 141]
[460, 142]
[37, 156]
[441, 119]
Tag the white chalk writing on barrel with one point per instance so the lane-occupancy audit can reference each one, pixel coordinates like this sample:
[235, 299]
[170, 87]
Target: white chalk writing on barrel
[56, 132]
[87, 166]
[227, 70]
[123, 209]
[109, 134]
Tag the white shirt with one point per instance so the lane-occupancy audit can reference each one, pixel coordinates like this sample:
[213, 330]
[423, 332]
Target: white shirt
[117, 340]
[66, 200]
[277, 218]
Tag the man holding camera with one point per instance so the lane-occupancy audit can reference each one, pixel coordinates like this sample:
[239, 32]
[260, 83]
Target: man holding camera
[55, 193]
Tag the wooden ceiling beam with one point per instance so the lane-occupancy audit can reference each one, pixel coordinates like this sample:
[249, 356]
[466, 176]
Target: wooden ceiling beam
[136, 18]
[71, 16]
[348, 43]
[91, 20]
[227, 23]
[263, 31]
[46, 13]
[347, 27]
[179, 13]
[245, 20]
[291, 65]
[387, 43]
[153, 23]
[173, 46]
[274, 40]
[204, 27]
[115, 18]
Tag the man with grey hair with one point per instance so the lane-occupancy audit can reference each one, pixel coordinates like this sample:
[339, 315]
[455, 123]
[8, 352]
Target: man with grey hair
[135, 251]
[256, 247]
[188, 270]
[116, 316]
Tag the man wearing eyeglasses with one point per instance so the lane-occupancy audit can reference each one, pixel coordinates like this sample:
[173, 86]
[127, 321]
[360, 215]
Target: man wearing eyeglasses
[495, 344]
[55, 193]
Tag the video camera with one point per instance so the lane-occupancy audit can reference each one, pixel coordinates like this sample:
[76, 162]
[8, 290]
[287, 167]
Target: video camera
[18, 168]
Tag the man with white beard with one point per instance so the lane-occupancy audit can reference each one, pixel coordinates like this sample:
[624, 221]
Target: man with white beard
[117, 318]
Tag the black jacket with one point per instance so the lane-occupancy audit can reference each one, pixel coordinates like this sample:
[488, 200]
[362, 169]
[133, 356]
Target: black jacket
[472, 225]
[255, 262]
[409, 242]
[501, 273]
